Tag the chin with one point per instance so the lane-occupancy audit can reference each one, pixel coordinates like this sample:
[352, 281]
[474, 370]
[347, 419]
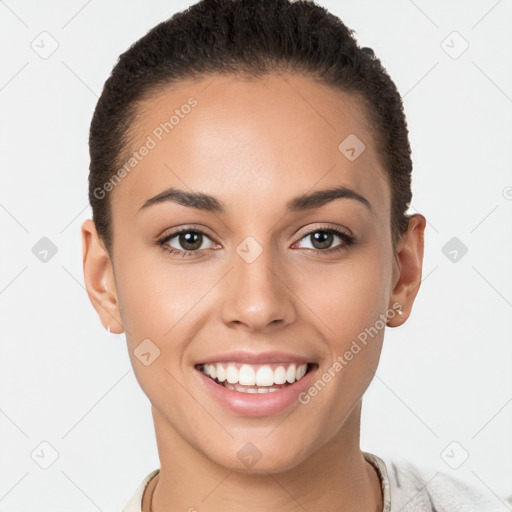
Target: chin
[250, 460]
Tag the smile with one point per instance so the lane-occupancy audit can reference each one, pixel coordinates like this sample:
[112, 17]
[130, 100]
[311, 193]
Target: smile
[251, 378]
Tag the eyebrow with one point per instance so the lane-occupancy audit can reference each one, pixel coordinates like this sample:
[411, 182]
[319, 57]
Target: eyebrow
[209, 203]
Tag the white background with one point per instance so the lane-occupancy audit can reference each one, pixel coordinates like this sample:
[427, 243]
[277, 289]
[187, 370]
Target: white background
[444, 376]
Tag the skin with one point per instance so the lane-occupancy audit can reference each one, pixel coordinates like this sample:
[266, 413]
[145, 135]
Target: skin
[254, 145]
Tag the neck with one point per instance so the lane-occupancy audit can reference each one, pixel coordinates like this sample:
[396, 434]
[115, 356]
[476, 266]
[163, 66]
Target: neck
[335, 477]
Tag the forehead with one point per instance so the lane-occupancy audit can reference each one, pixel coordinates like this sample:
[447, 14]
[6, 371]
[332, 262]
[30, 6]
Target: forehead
[270, 137]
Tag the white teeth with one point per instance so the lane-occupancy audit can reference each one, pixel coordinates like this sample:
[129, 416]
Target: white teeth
[246, 375]
[290, 373]
[232, 374]
[301, 371]
[264, 376]
[221, 373]
[254, 375]
[280, 375]
[244, 389]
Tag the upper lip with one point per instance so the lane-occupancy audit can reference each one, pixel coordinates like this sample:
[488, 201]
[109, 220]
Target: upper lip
[256, 358]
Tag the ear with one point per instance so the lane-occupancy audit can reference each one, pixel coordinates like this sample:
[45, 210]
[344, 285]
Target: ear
[407, 269]
[99, 278]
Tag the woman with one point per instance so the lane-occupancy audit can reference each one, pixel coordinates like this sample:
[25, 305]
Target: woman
[250, 177]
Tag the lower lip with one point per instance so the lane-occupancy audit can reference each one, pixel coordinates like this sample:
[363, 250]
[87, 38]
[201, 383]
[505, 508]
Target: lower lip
[256, 404]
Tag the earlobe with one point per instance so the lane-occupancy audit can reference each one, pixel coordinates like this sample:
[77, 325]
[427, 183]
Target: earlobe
[408, 268]
[99, 278]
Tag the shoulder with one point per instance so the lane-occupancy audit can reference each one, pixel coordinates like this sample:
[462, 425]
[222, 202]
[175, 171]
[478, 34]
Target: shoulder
[421, 489]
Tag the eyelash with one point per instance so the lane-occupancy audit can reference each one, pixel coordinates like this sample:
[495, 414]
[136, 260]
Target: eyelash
[348, 240]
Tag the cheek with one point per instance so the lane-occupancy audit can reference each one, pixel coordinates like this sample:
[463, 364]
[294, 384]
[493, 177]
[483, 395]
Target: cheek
[348, 308]
[349, 297]
[154, 296]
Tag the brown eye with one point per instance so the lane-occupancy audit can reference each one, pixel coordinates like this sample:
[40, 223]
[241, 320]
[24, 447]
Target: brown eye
[322, 239]
[190, 241]
[184, 242]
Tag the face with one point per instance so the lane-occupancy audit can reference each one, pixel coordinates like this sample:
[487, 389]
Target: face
[269, 276]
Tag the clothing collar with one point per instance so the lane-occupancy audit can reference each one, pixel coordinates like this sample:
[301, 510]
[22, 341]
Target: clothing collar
[135, 503]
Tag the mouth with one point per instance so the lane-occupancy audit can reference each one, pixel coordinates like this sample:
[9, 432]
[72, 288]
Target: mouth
[256, 378]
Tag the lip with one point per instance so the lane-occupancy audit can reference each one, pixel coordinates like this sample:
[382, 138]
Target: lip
[255, 358]
[256, 404]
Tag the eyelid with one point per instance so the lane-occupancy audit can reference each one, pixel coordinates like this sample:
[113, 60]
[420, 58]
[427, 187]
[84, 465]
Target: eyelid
[199, 228]
[326, 227]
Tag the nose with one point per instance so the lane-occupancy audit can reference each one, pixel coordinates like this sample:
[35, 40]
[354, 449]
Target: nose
[257, 294]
